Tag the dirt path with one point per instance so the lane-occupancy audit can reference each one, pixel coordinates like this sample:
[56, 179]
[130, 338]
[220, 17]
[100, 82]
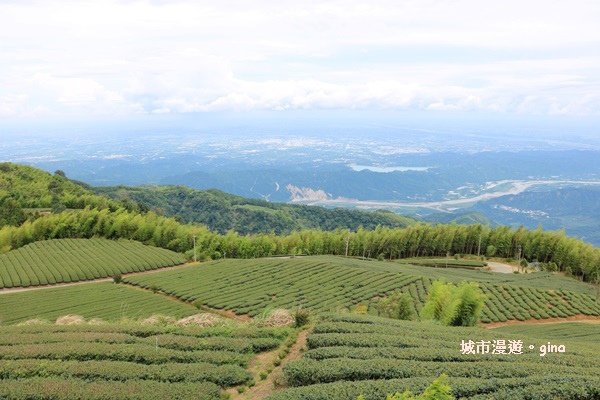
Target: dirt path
[274, 381]
[500, 267]
[22, 289]
[590, 319]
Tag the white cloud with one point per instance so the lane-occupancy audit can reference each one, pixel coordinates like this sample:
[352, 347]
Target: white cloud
[123, 57]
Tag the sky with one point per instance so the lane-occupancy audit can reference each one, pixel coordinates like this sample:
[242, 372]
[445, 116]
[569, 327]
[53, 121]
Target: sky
[113, 59]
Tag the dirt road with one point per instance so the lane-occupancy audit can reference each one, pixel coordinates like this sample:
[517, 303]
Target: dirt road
[500, 267]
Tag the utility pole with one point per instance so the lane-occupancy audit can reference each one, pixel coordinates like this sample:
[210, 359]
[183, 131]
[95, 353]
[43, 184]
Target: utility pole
[479, 246]
[347, 242]
[195, 248]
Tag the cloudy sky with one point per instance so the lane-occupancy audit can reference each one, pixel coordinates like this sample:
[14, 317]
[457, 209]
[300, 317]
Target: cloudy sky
[115, 58]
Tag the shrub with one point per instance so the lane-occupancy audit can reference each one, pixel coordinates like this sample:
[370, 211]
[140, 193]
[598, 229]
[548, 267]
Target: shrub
[153, 288]
[117, 278]
[470, 302]
[455, 306]
[438, 390]
[301, 318]
[398, 306]
[360, 309]
[438, 303]
[198, 304]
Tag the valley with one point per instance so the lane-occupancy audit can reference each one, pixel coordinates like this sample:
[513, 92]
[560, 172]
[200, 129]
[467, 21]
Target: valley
[491, 190]
[314, 200]
[301, 313]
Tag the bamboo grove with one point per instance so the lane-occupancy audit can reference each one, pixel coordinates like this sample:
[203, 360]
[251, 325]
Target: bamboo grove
[551, 248]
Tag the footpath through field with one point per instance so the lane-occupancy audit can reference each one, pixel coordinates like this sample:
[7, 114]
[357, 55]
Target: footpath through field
[274, 380]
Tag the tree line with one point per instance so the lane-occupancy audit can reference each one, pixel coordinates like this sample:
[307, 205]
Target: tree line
[566, 254]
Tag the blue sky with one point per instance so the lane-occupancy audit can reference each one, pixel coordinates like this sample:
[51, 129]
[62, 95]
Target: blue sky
[73, 59]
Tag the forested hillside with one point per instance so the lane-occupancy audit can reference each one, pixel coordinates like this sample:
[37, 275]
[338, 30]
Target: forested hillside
[25, 191]
[221, 211]
[125, 219]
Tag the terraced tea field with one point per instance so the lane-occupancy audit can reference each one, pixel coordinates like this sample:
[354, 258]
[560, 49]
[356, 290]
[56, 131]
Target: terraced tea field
[587, 333]
[324, 284]
[522, 303]
[128, 361]
[443, 263]
[250, 286]
[537, 280]
[349, 356]
[71, 260]
[104, 300]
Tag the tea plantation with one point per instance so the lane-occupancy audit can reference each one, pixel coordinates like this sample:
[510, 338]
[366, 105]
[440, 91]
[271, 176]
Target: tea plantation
[587, 333]
[128, 361]
[350, 355]
[71, 260]
[323, 284]
[103, 300]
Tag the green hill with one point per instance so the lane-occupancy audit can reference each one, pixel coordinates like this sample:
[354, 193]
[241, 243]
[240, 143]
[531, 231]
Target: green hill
[465, 218]
[34, 188]
[26, 192]
[222, 211]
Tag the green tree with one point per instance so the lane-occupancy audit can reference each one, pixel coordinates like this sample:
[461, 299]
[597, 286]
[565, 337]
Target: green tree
[11, 212]
[469, 304]
[454, 306]
[439, 302]
[398, 306]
